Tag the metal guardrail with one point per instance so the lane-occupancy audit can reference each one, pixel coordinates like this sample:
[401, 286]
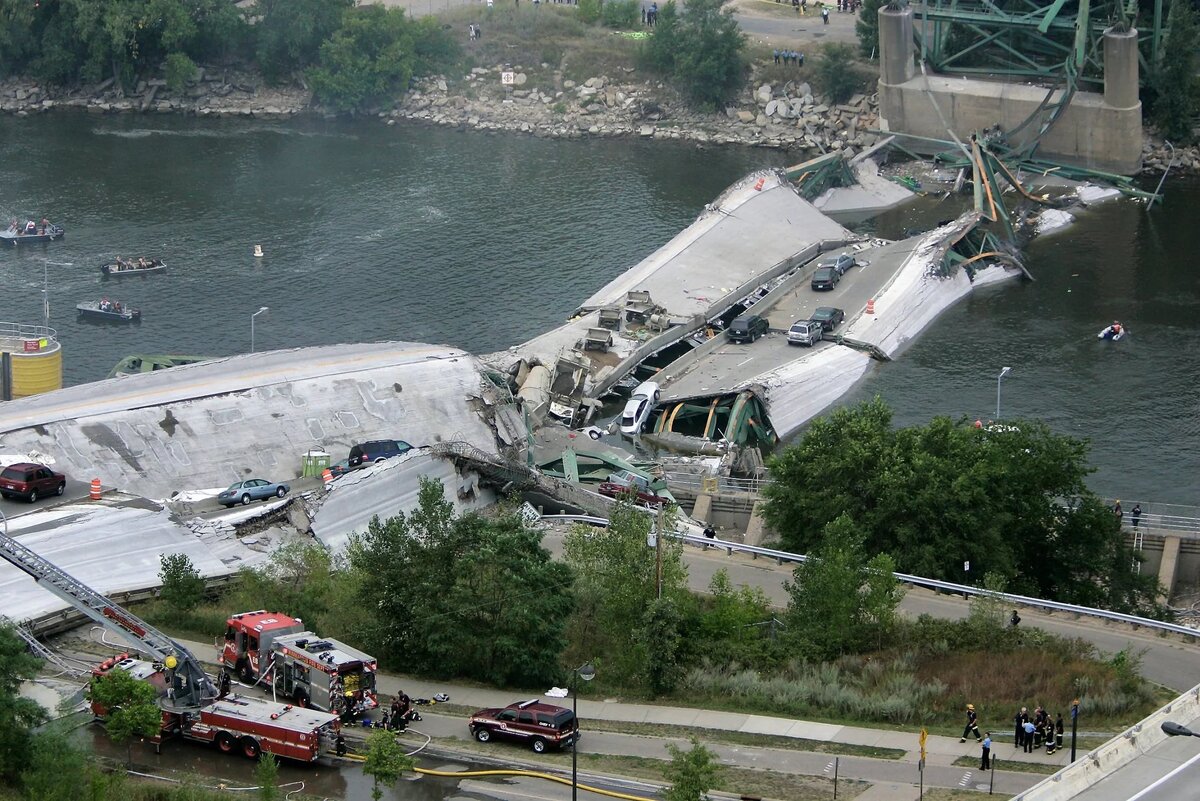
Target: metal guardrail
[785, 557]
[18, 331]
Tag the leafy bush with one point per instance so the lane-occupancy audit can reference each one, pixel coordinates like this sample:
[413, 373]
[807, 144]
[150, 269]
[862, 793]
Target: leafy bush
[179, 69]
[589, 11]
[182, 587]
[291, 32]
[701, 49]
[835, 72]
[1173, 81]
[367, 61]
[621, 14]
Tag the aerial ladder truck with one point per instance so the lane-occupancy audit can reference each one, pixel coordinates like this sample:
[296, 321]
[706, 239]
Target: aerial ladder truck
[192, 706]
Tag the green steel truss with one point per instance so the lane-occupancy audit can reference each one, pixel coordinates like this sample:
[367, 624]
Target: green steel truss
[1059, 40]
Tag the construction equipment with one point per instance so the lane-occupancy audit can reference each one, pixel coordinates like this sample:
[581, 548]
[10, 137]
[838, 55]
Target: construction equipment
[192, 707]
[313, 671]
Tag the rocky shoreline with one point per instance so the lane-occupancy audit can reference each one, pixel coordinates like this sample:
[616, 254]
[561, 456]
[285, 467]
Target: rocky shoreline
[787, 116]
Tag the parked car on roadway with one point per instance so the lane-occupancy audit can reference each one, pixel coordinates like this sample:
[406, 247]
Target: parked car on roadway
[252, 489]
[638, 408]
[539, 725]
[31, 481]
[376, 451]
[747, 328]
[828, 316]
[840, 262]
[805, 332]
[825, 278]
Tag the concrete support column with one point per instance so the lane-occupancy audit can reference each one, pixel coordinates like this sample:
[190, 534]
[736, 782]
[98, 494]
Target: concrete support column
[896, 46]
[755, 529]
[1167, 567]
[1120, 68]
[703, 508]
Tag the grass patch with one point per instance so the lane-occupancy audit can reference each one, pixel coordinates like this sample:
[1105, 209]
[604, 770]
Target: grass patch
[738, 781]
[946, 794]
[1009, 764]
[609, 54]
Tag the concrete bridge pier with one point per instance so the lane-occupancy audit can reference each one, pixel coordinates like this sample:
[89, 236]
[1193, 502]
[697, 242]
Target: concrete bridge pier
[756, 528]
[1168, 567]
[1094, 130]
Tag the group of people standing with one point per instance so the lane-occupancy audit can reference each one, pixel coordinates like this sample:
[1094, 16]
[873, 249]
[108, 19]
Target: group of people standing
[788, 57]
[650, 15]
[1032, 731]
[397, 717]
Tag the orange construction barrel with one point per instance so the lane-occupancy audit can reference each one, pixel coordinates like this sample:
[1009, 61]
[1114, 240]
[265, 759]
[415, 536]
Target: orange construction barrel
[95, 494]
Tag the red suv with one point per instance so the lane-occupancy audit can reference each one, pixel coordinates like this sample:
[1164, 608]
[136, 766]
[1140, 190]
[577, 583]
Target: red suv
[30, 481]
[540, 725]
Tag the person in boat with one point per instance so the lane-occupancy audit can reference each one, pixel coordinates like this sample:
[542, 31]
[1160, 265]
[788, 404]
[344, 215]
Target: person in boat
[1116, 329]
[30, 228]
[104, 304]
[142, 262]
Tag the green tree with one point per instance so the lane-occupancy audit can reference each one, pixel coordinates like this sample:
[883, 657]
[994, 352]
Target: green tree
[130, 707]
[367, 61]
[1174, 80]
[56, 770]
[266, 776]
[386, 761]
[939, 494]
[867, 28]
[841, 601]
[501, 605]
[182, 587]
[692, 773]
[734, 623]
[18, 715]
[661, 637]
[290, 33]
[701, 49]
[304, 580]
[835, 72]
[615, 585]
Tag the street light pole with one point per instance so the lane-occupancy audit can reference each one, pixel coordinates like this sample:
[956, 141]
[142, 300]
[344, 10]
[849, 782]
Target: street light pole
[1000, 378]
[260, 311]
[587, 672]
[1074, 725]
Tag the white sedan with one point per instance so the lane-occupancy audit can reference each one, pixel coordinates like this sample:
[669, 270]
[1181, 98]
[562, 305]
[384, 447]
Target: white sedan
[637, 410]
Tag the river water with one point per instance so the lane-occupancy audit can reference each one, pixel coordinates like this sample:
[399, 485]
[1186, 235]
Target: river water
[482, 241]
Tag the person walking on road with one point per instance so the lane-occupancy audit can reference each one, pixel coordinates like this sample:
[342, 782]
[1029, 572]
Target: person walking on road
[825, 14]
[972, 726]
[985, 761]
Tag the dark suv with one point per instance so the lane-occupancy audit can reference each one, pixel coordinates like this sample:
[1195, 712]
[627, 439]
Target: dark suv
[747, 328]
[826, 278]
[539, 725]
[31, 481]
[376, 451]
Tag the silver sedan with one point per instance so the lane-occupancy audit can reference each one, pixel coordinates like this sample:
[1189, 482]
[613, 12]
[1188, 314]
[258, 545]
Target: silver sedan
[252, 489]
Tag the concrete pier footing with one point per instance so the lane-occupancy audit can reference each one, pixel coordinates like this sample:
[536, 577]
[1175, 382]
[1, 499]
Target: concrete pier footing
[1168, 567]
[1098, 131]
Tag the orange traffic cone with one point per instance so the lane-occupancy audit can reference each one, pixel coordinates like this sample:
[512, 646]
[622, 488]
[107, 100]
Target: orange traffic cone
[871, 306]
[327, 476]
[95, 493]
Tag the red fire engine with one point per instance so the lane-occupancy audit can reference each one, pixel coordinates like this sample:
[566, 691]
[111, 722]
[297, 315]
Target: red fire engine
[192, 707]
[312, 670]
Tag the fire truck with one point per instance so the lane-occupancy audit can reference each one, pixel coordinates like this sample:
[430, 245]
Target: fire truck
[192, 707]
[315, 671]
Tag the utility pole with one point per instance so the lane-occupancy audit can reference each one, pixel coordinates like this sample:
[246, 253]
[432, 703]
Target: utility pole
[658, 554]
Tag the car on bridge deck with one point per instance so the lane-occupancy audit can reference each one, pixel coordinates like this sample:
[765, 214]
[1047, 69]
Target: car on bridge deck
[252, 489]
[364, 453]
[825, 278]
[638, 408]
[828, 317]
[31, 481]
[841, 262]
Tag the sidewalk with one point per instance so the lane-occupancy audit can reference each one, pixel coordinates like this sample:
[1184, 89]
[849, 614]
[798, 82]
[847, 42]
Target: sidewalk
[941, 751]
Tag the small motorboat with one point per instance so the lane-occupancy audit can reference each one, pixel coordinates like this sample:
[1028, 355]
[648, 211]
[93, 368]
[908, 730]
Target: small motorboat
[109, 311]
[1113, 332]
[133, 267]
[29, 232]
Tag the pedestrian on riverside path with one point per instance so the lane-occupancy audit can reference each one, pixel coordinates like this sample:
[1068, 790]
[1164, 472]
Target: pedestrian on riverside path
[775, 54]
[1136, 514]
[1014, 621]
[972, 726]
[1118, 512]
[825, 14]
[1029, 729]
[985, 761]
[1058, 732]
[1019, 730]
